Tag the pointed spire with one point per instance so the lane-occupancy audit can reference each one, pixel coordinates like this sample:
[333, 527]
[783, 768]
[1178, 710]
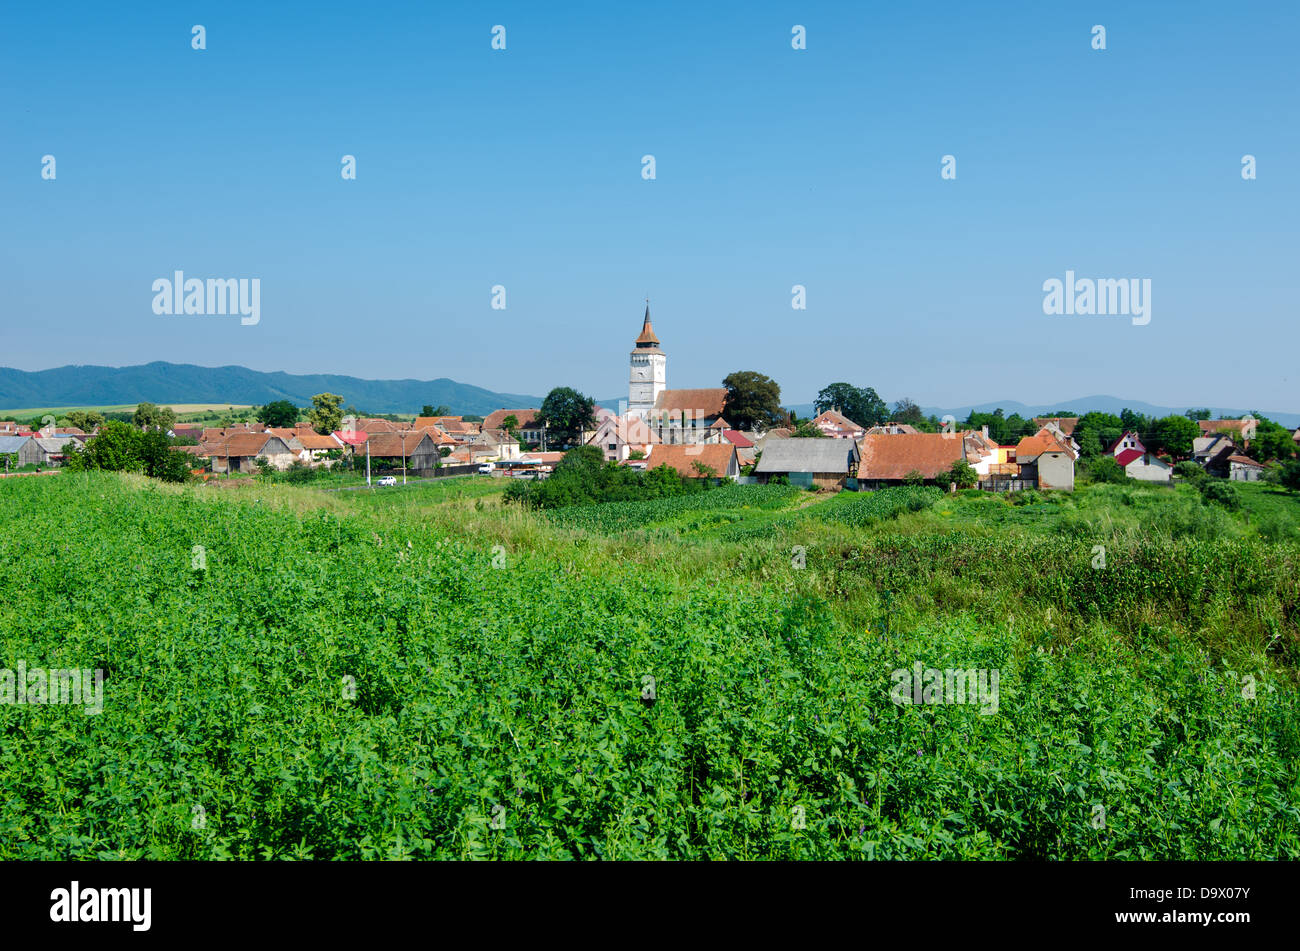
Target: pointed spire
[647, 338]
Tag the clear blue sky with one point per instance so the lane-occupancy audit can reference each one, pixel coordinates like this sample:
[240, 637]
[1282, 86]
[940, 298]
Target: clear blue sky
[775, 167]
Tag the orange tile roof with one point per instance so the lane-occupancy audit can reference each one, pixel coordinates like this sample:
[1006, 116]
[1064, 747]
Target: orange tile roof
[526, 418]
[396, 444]
[717, 456]
[893, 456]
[705, 402]
[1067, 423]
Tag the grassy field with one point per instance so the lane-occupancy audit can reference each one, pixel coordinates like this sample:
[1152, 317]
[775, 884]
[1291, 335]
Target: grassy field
[425, 672]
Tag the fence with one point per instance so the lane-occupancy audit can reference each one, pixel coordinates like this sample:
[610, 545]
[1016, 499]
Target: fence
[1008, 485]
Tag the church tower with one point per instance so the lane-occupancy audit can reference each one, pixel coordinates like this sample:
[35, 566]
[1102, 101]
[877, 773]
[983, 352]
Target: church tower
[649, 371]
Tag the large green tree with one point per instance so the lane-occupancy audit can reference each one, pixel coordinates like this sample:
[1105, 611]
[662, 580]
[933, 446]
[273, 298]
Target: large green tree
[1174, 435]
[326, 414]
[859, 403]
[149, 416]
[906, 411]
[565, 413]
[86, 420]
[280, 414]
[753, 401]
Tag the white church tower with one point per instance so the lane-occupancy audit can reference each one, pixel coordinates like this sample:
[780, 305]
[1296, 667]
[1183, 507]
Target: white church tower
[649, 371]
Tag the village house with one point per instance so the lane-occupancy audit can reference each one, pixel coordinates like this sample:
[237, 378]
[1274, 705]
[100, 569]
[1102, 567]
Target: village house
[527, 424]
[412, 451]
[719, 459]
[22, 448]
[500, 445]
[1242, 468]
[1066, 424]
[1138, 463]
[620, 436]
[1045, 460]
[838, 426]
[746, 451]
[822, 463]
[889, 459]
[1211, 453]
[688, 417]
[316, 446]
[1243, 430]
[240, 452]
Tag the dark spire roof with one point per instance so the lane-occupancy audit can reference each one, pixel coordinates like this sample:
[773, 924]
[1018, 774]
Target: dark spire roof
[647, 339]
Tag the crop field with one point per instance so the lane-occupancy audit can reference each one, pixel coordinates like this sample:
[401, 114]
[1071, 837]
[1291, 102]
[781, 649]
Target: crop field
[295, 672]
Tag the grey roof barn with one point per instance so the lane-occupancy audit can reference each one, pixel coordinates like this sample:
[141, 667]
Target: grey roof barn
[808, 455]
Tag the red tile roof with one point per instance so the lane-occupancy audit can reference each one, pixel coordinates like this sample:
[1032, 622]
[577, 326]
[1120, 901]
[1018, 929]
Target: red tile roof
[738, 439]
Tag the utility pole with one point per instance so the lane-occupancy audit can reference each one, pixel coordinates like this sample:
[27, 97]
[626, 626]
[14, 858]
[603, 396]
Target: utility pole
[367, 459]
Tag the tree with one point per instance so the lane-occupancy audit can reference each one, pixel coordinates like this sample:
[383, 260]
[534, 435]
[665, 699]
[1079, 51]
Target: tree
[914, 477]
[964, 474]
[1197, 414]
[905, 411]
[860, 404]
[326, 414]
[149, 416]
[1272, 441]
[806, 430]
[510, 424]
[703, 470]
[565, 413]
[85, 420]
[120, 447]
[753, 400]
[279, 415]
[1175, 434]
[441, 409]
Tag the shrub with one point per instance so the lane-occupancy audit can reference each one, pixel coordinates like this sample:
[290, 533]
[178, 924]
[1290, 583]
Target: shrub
[1220, 492]
[1106, 469]
[1290, 474]
[963, 473]
[1189, 470]
[913, 478]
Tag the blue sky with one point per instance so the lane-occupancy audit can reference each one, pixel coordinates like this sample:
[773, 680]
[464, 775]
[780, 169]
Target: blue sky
[775, 167]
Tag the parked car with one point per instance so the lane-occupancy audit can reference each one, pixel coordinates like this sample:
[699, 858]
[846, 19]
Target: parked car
[486, 468]
[388, 480]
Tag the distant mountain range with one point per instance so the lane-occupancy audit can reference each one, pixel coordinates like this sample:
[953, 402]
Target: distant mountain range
[162, 382]
[184, 383]
[1108, 404]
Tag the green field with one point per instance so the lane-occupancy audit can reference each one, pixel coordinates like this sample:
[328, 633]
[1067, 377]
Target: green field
[425, 672]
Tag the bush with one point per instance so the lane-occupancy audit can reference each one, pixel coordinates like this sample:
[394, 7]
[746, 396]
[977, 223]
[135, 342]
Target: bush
[1290, 475]
[1189, 470]
[913, 479]
[1106, 469]
[1220, 492]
